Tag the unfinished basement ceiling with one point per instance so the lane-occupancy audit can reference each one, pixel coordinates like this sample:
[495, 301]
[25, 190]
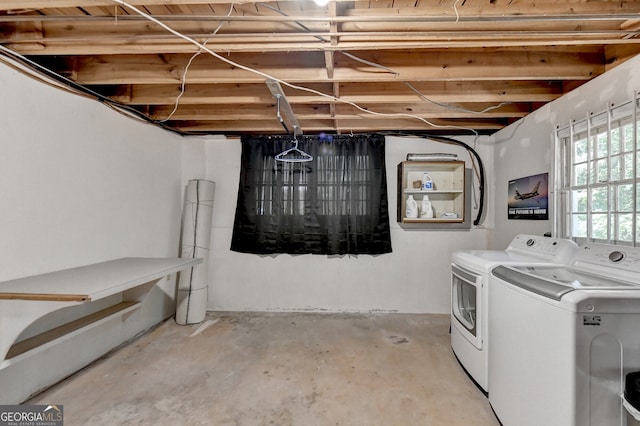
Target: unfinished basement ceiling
[428, 66]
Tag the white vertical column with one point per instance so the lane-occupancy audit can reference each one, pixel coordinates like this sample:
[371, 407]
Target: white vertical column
[196, 241]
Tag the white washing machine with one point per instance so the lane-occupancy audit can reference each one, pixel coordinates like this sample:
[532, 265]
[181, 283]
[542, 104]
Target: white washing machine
[564, 338]
[470, 289]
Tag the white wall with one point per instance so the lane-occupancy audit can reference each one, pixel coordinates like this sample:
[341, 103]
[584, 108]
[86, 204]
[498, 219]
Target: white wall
[81, 184]
[414, 278]
[527, 147]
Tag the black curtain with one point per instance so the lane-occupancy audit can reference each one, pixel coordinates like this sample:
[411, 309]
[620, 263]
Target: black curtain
[335, 204]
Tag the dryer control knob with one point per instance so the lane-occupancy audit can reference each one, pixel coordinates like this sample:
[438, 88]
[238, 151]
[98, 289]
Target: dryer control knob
[616, 256]
[530, 242]
[590, 308]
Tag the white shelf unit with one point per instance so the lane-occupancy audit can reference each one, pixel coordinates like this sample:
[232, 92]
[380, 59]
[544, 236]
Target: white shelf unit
[25, 300]
[447, 195]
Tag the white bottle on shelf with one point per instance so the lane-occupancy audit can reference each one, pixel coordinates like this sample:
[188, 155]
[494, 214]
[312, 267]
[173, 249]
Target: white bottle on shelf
[427, 182]
[411, 210]
[426, 210]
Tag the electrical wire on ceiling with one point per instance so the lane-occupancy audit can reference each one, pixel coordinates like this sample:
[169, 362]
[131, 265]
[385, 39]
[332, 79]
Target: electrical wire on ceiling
[36, 71]
[454, 107]
[283, 82]
[186, 68]
[324, 40]
[9, 58]
[69, 85]
[182, 87]
[455, 9]
[391, 71]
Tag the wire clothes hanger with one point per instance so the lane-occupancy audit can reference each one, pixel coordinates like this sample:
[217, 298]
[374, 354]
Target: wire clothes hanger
[294, 154]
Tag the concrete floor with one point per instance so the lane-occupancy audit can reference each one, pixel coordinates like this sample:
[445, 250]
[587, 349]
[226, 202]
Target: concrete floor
[279, 369]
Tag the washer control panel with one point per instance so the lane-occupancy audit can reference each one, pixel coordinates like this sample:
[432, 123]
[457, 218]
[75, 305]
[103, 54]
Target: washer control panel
[622, 258]
[556, 249]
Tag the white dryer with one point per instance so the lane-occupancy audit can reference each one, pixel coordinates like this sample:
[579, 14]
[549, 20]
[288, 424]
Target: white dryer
[564, 338]
[470, 289]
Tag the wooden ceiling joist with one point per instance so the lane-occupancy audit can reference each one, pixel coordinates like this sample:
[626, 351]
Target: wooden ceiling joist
[414, 65]
[477, 65]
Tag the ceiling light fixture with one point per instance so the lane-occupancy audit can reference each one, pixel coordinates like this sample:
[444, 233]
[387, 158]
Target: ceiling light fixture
[321, 2]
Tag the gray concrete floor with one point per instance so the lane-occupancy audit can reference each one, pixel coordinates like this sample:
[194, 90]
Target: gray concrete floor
[279, 369]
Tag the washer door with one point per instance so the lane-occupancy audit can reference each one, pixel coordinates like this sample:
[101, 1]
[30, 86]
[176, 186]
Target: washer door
[465, 301]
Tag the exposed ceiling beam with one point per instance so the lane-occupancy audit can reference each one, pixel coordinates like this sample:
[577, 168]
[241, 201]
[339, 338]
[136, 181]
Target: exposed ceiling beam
[475, 64]
[475, 9]
[333, 111]
[320, 125]
[414, 65]
[369, 93]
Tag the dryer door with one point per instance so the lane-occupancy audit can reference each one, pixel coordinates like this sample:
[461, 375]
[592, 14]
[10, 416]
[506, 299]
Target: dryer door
[466, 298]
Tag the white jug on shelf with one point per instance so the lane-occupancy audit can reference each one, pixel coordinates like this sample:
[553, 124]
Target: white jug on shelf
[426, 209]
[411, 208]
